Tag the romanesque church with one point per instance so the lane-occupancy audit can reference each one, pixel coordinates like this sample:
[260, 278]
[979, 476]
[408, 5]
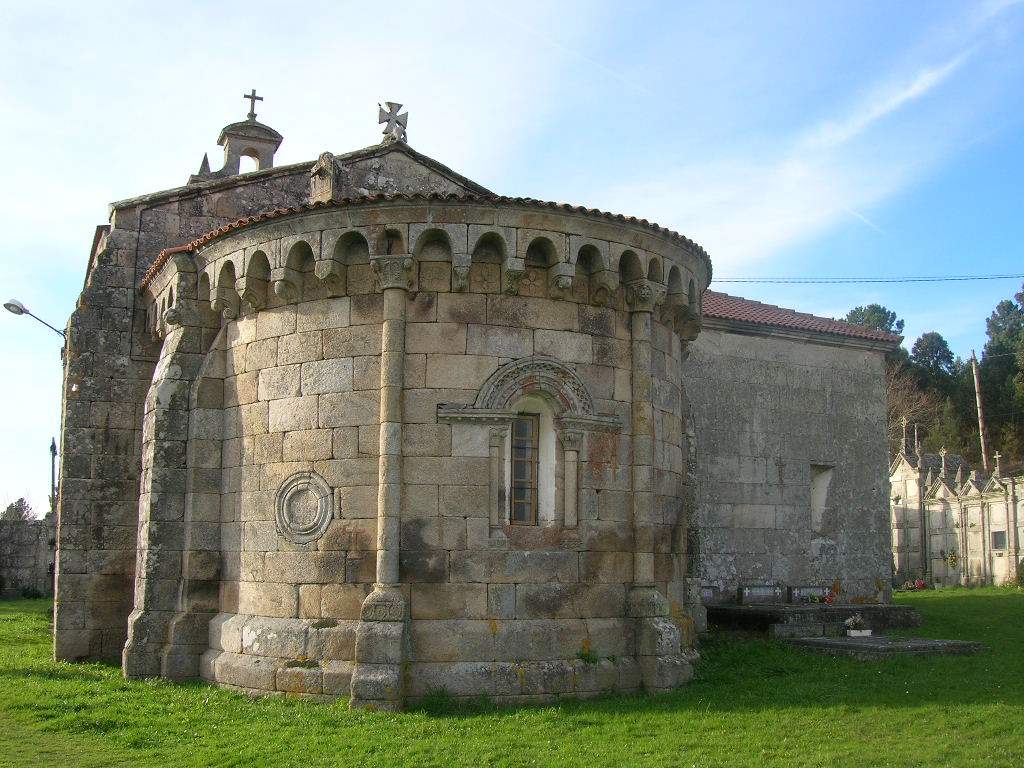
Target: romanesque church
[361, 427]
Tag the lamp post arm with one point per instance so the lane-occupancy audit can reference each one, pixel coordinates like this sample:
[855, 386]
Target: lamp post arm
[55, 330]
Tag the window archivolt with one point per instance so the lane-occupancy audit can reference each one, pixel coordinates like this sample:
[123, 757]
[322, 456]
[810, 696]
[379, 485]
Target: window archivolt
[538, 412]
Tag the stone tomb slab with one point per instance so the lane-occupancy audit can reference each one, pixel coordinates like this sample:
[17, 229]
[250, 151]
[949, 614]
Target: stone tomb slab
[761, 617]
[885, 647]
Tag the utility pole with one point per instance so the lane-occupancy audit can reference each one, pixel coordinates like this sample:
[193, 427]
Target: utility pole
[53, 475]
[981, 413]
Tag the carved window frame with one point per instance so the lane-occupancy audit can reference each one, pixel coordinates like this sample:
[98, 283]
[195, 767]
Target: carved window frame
[573, 417]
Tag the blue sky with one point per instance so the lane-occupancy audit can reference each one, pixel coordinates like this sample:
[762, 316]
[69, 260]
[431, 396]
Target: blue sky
[790, 139]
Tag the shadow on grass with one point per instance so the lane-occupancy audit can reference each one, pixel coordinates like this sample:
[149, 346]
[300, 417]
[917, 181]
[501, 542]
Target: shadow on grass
[743, 671]
[737, 673]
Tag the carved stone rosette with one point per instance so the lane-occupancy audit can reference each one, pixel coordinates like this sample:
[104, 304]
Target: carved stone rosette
[305, 507]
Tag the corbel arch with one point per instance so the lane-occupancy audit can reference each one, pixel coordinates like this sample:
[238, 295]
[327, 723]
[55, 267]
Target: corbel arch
[252, 287]
[225, 298]
[489, 244]
[290, 279]
[170, 297]
[433, 244]
[594, 280]
[496, 245]
[655, 270]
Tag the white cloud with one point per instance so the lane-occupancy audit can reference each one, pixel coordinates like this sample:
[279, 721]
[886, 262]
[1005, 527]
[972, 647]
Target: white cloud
[101, 104]
[883, 102]
[748, 206]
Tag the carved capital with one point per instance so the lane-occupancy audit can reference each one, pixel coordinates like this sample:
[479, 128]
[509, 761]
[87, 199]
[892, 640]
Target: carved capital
[572, 439]
[640, 295]
[497, 436]
[392, 271]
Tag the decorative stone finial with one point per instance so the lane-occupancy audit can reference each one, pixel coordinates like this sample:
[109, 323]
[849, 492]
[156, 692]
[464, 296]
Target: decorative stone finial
[253, 98]
[394, 123]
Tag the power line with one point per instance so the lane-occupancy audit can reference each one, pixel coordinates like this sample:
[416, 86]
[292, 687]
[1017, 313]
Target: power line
[820, 280]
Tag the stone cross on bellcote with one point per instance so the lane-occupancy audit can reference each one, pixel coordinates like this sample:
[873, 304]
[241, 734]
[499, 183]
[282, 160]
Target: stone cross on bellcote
[394, 123]
[253, 98]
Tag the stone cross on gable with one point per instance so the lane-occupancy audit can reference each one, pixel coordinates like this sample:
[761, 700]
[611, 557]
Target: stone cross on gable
[394, 123]
[253, 98]
[997, 456]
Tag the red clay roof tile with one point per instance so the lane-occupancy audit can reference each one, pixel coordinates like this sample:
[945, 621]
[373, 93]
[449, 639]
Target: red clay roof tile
[726, 307]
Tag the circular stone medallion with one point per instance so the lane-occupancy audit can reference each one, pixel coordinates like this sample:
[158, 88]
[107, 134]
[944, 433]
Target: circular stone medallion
[305, 506]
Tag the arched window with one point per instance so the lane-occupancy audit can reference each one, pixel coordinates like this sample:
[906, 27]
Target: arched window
[531, 463]
[248, 161]
[538, 413]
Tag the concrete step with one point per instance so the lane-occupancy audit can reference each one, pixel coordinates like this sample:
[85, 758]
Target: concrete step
[796, 629]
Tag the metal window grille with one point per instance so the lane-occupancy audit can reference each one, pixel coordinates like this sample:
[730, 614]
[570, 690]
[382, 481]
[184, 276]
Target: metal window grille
[525, 434]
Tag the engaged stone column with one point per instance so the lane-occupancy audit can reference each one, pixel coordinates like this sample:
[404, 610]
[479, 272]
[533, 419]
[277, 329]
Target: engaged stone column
[662, 667]
[380, 637]
[640, 296]
[571, 442]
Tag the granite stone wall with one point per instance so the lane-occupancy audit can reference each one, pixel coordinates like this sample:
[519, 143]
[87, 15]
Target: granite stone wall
[26, 556]
[110, 358]
[793, 480]
[349, 422]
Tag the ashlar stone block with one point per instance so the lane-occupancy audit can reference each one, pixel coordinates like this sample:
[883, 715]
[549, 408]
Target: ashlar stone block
[324, 376]
[294, 413]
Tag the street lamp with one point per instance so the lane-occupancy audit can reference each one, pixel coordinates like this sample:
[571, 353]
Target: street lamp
[16, 307]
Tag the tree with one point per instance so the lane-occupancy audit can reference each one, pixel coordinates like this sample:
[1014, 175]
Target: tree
[1002, 377]
[1005, 325]
[875, 316]
[931, 353]
[906, 400]
[949, 432]
[17, 510]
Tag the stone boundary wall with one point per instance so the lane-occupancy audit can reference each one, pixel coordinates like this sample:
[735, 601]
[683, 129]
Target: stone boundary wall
[27, 556]
[793, 482]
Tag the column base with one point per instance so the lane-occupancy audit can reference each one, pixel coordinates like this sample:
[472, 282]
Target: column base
[646, 601]
[381, 638]
[146, 632]
[663, 666]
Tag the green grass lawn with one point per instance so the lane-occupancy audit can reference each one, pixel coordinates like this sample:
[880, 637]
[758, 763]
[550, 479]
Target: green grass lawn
[753, 703]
